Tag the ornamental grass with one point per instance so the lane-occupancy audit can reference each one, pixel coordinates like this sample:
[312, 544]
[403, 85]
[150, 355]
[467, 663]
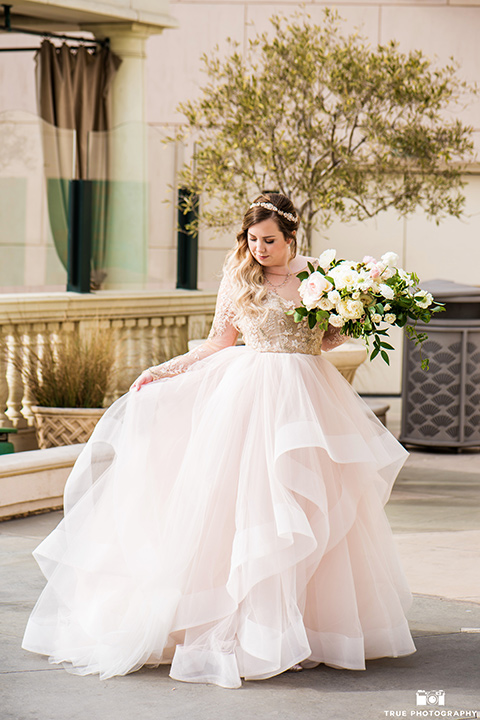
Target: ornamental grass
[72, 373]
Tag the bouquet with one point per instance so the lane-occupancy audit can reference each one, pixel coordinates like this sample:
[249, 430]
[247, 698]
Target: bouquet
[364, 299]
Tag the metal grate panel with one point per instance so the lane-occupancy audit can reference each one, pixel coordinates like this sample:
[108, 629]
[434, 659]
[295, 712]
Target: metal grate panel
[441, 406]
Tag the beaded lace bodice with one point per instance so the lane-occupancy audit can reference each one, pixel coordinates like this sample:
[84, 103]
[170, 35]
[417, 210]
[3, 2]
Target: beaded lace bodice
[278, 333]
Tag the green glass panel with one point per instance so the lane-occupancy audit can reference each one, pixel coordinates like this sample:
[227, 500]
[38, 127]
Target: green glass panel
[127, 238]
[57, 199]
[100, 201]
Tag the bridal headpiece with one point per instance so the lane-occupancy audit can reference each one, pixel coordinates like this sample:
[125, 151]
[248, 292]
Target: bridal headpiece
[270, 206]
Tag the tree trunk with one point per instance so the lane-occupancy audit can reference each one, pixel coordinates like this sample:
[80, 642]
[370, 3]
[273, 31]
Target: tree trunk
[305, 238]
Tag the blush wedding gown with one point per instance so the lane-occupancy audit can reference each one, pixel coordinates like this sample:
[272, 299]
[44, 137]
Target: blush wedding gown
[228, 519]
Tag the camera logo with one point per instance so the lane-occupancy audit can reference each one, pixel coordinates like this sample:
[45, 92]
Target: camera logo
[430, 697]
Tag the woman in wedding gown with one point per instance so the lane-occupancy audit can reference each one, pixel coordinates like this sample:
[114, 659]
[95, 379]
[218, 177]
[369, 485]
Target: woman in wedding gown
[226, 515]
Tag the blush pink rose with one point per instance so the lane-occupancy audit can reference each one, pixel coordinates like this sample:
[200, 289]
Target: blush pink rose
[317, 284]
[313, 288]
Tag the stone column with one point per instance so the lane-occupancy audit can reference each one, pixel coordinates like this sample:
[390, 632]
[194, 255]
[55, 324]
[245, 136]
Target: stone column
[127, 235]
[128, 41]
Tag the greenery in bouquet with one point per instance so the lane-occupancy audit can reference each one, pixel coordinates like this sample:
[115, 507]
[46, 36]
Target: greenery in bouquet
[364, 299]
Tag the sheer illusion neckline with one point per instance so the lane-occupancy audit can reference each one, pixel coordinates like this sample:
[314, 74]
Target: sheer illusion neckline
[291, 303]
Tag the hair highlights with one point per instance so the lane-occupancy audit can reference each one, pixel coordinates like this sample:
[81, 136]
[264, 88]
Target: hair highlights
[244, 271]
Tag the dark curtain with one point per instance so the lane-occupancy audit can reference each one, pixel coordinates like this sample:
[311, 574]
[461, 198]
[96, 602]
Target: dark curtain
[73, 93]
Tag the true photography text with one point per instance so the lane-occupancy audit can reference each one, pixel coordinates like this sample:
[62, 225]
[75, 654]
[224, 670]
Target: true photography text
[433, 713]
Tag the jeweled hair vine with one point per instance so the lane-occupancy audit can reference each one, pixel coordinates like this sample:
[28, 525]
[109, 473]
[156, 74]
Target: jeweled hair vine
[269, 206]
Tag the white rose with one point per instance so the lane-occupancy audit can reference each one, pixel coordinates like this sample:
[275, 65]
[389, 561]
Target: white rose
[387, 307]
[356, 309]
[390, 318]
[334, 296]
[326, 304]
[326, 258]
[356, 295]
[345, 277]
[386, 291]
[336, 321]
[376, 318]
[390, 259]
[350, 309]
[342, 308]
[423, 299]
[312, 289]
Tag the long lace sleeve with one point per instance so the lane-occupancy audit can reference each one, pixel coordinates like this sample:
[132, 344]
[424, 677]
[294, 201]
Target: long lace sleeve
[332, 338]
[222, 334]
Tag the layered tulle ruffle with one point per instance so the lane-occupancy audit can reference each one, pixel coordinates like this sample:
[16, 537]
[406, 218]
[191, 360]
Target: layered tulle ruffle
[229, 521]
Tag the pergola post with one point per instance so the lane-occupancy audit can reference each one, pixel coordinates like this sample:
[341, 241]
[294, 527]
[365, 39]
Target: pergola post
[127, 234]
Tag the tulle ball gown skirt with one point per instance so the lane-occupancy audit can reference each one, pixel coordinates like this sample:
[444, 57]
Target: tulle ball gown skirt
[228, 521]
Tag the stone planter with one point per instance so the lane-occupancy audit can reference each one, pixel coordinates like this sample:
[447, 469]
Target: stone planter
[64, 426]
[347, 358]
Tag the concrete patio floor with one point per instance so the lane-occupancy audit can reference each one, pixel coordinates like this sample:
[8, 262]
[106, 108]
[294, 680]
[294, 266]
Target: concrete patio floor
[434, 512]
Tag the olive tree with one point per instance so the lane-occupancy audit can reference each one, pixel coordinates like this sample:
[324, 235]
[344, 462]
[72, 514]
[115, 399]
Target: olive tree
[345, 129]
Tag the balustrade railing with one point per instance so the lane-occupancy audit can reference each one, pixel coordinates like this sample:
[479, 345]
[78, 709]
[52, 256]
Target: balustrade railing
[147, 327]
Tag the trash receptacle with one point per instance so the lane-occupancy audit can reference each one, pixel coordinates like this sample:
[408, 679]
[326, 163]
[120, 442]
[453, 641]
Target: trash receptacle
[441, 406]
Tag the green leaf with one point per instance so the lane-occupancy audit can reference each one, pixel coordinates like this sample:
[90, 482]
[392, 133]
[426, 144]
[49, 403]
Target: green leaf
[303, 275]
[387, 345]
[312, 321]
[385, 356]
[301, 311]
[310, 267]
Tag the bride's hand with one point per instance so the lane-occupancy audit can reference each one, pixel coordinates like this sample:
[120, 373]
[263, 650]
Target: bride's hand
[146, 377]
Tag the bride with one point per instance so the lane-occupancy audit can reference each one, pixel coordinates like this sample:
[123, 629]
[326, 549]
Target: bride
[226, 516]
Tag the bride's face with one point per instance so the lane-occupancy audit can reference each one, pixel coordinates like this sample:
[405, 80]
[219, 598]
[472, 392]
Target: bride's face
[267, 244]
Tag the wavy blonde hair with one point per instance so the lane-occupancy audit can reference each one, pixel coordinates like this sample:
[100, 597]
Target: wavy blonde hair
[244, 272]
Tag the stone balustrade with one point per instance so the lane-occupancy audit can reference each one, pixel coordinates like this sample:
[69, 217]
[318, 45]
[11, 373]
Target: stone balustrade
[148, 328]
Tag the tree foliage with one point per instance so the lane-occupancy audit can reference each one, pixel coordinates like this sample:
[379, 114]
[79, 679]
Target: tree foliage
[345, 130]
